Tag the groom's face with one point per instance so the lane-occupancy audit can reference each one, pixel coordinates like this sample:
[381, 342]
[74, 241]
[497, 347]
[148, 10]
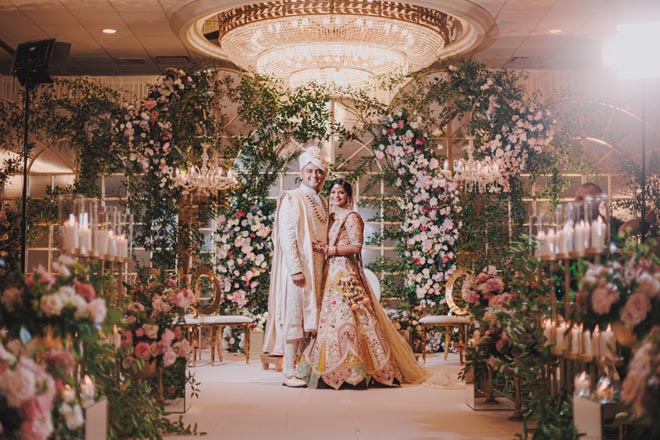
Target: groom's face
[312, 176]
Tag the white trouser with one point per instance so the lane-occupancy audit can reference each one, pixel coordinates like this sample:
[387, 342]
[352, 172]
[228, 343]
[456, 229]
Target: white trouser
[290, 355]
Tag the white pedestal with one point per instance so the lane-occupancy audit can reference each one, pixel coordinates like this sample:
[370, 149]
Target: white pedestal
[591, 417]
[96, 420]
[256, 343]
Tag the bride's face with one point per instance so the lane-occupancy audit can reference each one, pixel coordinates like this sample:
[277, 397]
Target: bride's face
[338, 196]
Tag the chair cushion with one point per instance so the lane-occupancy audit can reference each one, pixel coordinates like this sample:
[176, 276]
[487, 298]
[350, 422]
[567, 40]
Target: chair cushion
[224, 319]
[444, 319]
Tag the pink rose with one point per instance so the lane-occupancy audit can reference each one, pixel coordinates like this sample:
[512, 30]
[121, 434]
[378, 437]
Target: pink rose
[471, 296]
[379, 155]
[151, 330]
[400, 124]
[501, 300]
[636, 309]
[184, 348]
[38, 408]
[168, 336]
[44, 277]
[127, 338]
[169, 358]
[602, 299]
[139, 332]
[150, 103]
[97, 310]
[142, 350]
[85, 290]
[494, 284]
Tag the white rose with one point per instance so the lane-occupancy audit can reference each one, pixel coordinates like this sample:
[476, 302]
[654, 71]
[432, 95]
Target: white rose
[52, 304]
[73, 416]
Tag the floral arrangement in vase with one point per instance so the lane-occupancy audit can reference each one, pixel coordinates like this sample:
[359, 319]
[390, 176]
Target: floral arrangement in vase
[151, 330]
[641, 387]
[47, 321]
[623, 293]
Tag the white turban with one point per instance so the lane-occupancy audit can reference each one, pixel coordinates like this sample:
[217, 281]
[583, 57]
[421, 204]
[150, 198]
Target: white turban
[313, 155]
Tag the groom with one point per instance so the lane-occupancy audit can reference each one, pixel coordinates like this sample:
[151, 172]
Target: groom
[295, 282]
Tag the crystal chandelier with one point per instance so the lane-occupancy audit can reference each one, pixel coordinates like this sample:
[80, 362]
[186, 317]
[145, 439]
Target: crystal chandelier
[204, 179]
[475, 175]
[345, 42]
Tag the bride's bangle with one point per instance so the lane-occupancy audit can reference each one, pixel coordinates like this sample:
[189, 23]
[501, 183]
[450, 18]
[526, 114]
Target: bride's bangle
[332, 251]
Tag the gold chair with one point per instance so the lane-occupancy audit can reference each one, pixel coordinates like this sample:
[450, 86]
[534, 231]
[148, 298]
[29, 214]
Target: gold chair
[457, 317]
[206, 314]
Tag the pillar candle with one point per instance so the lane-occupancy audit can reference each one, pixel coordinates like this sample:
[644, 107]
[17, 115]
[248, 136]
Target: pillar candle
[576, 334]
[70, 235]
[586, 342]
[598, 233]
[541, 248]
[595, 341]
[607, 343]
[100, 245]
[548, 331]
[561, 329]
[84, 239]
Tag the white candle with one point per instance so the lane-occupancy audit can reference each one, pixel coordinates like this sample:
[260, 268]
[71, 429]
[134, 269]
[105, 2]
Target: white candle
[84, 239]
[548, 331]
[595, 341]
[561, 241]
[122, 247]
[586, 343]
[607, 343]
[579, 238]
[68, 394]
[111, 246]
[598, 233]
[541, 248]
[576, 334]
[100, 242]
[552, 243]
[87, 391]
[570, 238]
[70, 235]
[561, 329]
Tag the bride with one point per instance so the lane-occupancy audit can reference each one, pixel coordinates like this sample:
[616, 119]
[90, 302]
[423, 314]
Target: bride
[356, 342]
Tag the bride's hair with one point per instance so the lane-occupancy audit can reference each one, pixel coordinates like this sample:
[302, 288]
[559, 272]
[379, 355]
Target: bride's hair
[344, 184]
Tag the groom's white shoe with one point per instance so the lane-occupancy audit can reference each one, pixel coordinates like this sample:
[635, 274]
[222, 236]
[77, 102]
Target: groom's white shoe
[294, 382]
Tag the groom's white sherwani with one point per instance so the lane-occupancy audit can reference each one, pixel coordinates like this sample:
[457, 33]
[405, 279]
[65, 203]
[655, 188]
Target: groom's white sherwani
[301, 218]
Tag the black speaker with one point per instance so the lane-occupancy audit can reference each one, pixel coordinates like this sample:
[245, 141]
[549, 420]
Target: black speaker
[34, 59]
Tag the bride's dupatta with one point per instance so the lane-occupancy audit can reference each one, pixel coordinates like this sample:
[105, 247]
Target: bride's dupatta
[411, 370]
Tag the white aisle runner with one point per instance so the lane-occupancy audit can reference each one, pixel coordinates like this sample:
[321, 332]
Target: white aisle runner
[239, 401]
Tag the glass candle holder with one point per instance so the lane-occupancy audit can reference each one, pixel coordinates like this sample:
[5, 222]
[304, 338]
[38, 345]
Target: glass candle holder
[582, 384]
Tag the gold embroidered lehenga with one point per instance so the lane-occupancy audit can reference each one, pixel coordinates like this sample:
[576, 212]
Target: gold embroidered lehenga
[355, 341]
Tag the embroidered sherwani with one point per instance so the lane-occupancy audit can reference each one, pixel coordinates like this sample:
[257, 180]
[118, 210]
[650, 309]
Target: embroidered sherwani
[301, 218]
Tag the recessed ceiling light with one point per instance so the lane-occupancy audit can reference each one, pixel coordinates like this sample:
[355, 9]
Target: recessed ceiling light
[555, 31]
[109, 31]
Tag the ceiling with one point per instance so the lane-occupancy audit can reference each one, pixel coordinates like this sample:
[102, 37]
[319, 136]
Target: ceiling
[146, 42]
